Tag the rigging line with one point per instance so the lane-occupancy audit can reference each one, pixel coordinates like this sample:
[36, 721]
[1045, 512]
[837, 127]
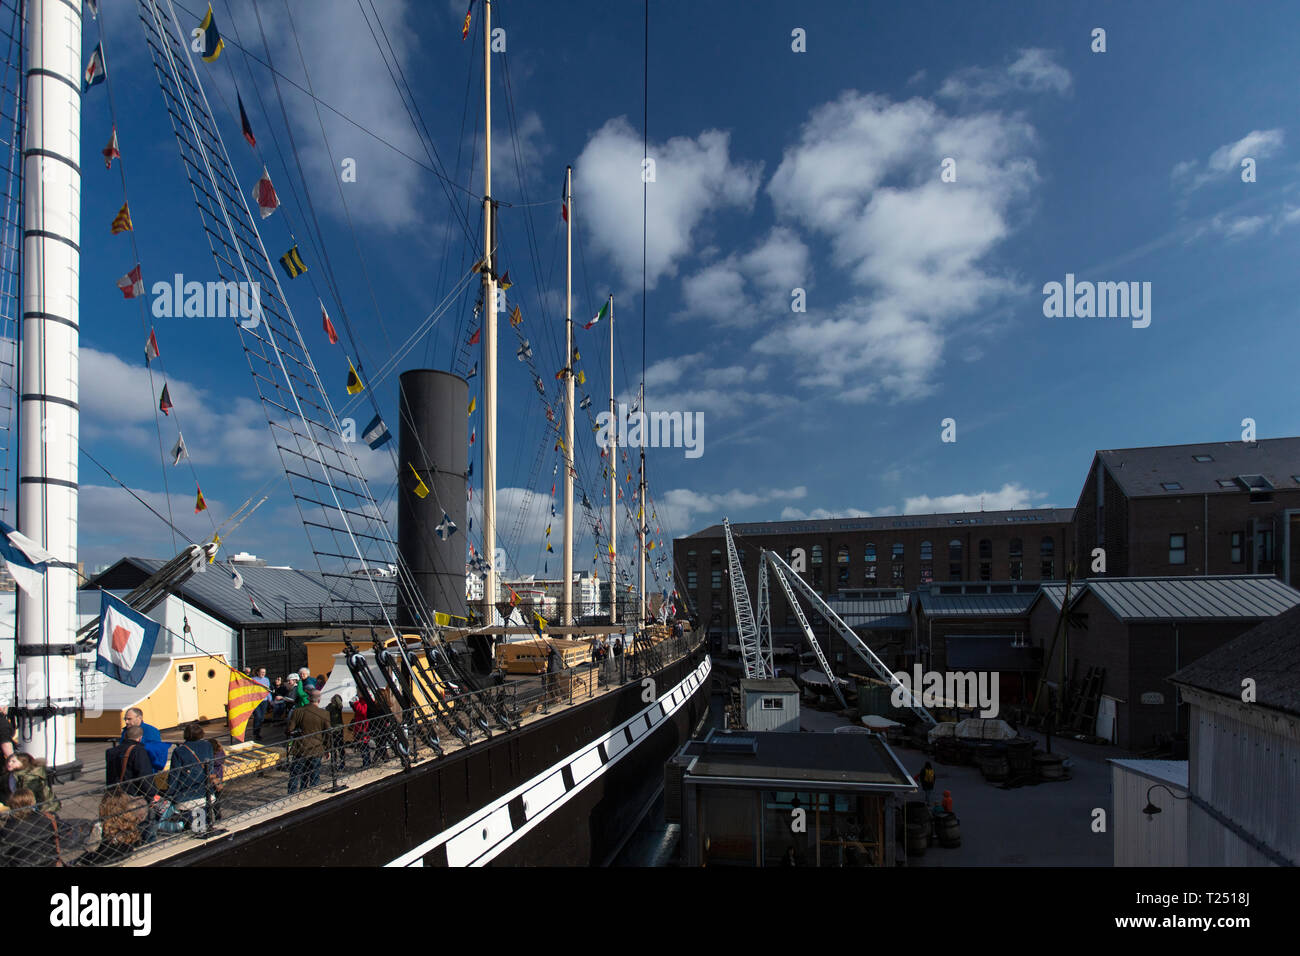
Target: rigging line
[204, 153]
[427, 141]
[375, 136]
[123, 485]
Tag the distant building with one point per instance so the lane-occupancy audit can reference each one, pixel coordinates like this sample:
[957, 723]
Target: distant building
[771, 705]
[1244, 754]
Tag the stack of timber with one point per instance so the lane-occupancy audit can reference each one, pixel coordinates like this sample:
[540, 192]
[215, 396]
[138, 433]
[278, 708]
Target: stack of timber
[574, 684]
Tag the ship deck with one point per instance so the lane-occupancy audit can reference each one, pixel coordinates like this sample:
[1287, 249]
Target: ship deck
[257, 777]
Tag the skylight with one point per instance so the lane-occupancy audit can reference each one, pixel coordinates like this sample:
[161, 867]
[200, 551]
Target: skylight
[1171, 486]
[1202, 458]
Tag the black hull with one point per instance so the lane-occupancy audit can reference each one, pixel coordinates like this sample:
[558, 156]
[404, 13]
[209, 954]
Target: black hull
[541, 796]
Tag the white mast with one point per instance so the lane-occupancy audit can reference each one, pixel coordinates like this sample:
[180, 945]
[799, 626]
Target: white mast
[489, 338]
[566, 613]
[613, 477]
[47, 490]
[641, 516]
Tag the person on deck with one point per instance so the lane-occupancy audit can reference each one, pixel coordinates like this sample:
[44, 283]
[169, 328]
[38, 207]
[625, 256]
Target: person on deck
[259, 714]
[29, 837]
[360, 728]
[308, 727]
[927, 780]
[29, 772]
[283, 696]
[947, 801]
[127, 764]
[187, 778]
[153, 742]
[6, 731]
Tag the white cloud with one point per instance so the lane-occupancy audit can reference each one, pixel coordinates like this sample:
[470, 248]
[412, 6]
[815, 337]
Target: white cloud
[865, 172]
[742, 289]
[1225, 161]
[1033, 71]
[693, 177]
[683, 508]
[1010, 496]
[822, 514]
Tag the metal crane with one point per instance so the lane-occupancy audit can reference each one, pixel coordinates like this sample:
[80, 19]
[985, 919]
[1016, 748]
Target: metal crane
[750, 652]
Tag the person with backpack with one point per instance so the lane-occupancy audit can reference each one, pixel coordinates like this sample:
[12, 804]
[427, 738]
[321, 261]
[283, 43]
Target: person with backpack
[26, 771]
[927, 780]
[187, 777]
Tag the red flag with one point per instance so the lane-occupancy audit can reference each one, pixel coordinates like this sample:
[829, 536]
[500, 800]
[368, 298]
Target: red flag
[132, 284]
[329, 326]
[150, 347]
[464, 30]
[199, 503]
[264, 195]
[243, 122]
[111, 151]
[472, 433]
[473, 339]
[165, 403]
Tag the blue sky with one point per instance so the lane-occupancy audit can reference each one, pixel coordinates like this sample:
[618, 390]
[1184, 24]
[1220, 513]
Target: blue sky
[774, 170]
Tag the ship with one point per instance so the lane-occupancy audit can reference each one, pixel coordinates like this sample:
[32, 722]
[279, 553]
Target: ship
[554, 768]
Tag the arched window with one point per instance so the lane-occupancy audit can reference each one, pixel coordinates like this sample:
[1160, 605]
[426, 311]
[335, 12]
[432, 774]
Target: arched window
[1017, 552]
[842, 559]
[1047, 552]
[816, 554]
[986, 559]
[715, 558]
[817, 566]
[869, 565]
[954, 559]
[927, 562]
[692, 579]
[896, 564]
[690, 556]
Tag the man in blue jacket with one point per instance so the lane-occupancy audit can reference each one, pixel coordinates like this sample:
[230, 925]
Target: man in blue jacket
[153, 742]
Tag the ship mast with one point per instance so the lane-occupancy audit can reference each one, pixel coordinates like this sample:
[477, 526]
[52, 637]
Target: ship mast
[489, 337]
[566, 613]
[640, 514]
[47, 484]
[613, 477]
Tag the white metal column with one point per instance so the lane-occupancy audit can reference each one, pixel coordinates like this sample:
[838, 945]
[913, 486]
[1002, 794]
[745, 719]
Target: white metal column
[47, 491]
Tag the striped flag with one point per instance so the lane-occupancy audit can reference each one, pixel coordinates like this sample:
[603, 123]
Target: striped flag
[291, 262]
[245, 128]
[122, 221]
[211, 38]
[464, 30]
[151, 344]
[165, 402]
[244, 696]
[199, 503]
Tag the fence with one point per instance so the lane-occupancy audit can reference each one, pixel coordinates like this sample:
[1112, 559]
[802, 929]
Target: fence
[107, 825]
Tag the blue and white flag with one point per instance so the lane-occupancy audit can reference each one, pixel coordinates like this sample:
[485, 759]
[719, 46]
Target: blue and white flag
[94, 69]
[446, 527]
[376, 433]
[126, 641]
[23, 557]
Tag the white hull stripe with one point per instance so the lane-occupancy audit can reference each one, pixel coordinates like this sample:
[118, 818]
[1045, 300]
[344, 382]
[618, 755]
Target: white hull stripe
[479, 839]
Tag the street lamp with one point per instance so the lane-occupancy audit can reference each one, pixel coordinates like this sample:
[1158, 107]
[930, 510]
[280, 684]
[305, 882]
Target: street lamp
[1151, 809]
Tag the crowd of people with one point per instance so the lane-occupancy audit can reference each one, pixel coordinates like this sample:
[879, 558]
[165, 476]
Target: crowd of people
[136, 808]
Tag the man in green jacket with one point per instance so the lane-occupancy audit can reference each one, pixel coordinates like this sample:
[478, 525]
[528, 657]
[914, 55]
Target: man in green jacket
[307, 728]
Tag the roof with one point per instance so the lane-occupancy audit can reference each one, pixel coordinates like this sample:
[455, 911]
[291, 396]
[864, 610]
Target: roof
[1140, 472]
[1054, 592]
[284, 595]
[856, 761]
[1173, 772]
[985, 599]
[773, 685]
[1200, 598]
[884, 613]
[1269, 654]
[890, 522]
[989, 652]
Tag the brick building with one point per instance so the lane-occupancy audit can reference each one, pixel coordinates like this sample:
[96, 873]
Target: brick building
[1212, 508]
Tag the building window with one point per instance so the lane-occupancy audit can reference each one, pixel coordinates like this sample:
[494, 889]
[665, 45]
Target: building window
[896, 562]
[715, 559]
[842, 559]
[986, 559]
[816, 555]
[1178, 549]
[869, 565]
[1017, 549]
[954, 559]
[717, 604]
[1047, 557]
[1264, 549]
[692, 579]
[690, 556]
[275, 640]
[715, 579]
[773, 703]
[927, 562]
[1237, 540]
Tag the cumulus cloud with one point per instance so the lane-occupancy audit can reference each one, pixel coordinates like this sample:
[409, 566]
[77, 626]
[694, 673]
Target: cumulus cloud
[821, 514]
[1224, 162]
[1009, 497]
[694, 177]
[865, 173]
[743, 288]
[683, 508]
[1032, 71]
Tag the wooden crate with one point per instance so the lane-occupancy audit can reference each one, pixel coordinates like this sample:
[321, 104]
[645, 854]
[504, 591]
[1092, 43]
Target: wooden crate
[579, 683]
[532, 657]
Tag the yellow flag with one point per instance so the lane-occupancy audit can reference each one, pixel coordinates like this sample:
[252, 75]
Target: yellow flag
[473, 403]
[420, 488]
[354, 380]
[441, 619]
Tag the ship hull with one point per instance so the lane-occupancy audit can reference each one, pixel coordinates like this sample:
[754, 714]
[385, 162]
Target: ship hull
[566, 790]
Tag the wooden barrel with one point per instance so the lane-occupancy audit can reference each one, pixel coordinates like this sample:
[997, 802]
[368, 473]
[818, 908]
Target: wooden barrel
[994, 766]
[1048, 766]
[917, 839]
[1020, 756]
[949, 830]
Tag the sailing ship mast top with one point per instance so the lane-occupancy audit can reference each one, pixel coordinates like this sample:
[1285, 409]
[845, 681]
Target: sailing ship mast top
[489, 337]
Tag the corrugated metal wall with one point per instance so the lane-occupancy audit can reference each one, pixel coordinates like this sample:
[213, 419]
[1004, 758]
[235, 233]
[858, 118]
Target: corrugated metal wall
[785, 720]
[1139, 841]
[1250, 775]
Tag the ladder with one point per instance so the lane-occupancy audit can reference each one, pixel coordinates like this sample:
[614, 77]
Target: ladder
[787, 576]
[745, 625]
[764, 619]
